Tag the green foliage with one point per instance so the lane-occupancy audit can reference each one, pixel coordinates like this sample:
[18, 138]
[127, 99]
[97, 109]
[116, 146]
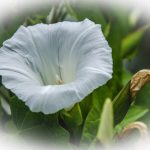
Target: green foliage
[4, 100]
[86, 105]
[48, 131]
[57, 13]
[133, 114]
[18, 110]
[73, 117]
[121, 103]
[90, 126]
[36, 124]
[142, 99]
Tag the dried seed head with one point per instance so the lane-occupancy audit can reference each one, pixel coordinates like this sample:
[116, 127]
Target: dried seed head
[138, 81]
[140, 126]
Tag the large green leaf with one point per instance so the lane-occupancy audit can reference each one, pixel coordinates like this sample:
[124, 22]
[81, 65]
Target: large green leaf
[133, 114]
[105, 132]
[49, 131]
[22, 116]
[31, 124]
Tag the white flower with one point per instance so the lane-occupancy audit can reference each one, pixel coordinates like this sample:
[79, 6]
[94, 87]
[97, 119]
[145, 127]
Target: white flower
[51, 67]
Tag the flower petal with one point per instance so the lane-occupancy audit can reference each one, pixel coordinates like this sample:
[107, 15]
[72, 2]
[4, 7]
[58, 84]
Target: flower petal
[38, 46]
[32, 59]
[85, 55]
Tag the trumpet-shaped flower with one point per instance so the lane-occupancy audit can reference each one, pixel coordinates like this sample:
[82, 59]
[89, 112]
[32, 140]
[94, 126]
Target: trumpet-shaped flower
[51, 67]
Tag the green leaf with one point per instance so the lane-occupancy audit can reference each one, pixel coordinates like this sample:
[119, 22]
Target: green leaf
[91, 126]
[36, 125]
[48, 131]
[126, 76]
[72, 121]
[105, 131]
[10, 127]
[18, 110]
[47, 134]
[4, 105]
[33, 20]
[107, 30]
[121, 103]
[70, 9]
[4, 93]
[73, 117]
[57, 13]
[131, 41]
[112, 38]
[91, 123]
[115, 35]
[143, 99]
[86, 105]
[32, 119]
[134, 113]
[99, 95]
[35, 133]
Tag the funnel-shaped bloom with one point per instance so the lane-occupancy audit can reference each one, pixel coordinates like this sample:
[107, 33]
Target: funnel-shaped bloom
[51, 67]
